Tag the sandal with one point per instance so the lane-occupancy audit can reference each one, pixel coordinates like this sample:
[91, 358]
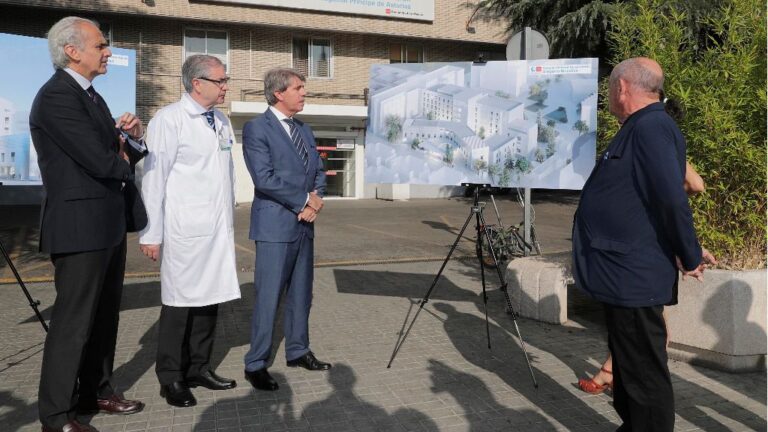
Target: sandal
[592, 387]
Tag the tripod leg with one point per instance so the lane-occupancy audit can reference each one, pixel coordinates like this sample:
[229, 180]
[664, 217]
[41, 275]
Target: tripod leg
[425, 299]
[32, 303]
[509, 303]
[482, 228]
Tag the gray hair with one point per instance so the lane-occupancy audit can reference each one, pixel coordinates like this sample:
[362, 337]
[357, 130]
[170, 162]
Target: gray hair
[67, 31]
[636, 72]
[197, 66]
[278, 80]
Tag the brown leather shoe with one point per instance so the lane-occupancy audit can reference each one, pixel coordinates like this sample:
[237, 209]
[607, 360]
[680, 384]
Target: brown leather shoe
[111, 405]
[71, 426]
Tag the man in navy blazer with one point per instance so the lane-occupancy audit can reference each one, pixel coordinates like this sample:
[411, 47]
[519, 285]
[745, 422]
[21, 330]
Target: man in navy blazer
[289, 182]
[90, 203]
[632, 230]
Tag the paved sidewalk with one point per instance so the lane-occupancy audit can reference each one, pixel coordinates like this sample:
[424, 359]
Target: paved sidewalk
[444, 378]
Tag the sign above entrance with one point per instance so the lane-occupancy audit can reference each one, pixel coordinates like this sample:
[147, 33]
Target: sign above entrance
[422, 10]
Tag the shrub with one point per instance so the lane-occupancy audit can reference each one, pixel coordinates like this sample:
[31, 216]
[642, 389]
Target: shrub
[722, 86]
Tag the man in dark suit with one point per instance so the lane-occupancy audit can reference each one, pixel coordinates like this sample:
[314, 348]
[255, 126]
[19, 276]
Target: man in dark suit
[289, 181]
[632, 224]
[91, 201]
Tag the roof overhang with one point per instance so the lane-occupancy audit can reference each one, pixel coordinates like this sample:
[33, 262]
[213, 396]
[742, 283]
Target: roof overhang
[312, 113]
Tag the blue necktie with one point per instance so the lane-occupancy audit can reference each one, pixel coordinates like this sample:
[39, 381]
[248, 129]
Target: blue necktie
[209, 116]
[298, 142]
[92, 93]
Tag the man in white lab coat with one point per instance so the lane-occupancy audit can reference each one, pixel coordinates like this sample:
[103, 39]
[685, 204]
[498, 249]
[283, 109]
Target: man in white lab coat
[189, 195]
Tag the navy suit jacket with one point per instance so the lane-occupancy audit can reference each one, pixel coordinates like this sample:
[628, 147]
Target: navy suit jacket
[633, 216]
[280, 181]
[91, 199]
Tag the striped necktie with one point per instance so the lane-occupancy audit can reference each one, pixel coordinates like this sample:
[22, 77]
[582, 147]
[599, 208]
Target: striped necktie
[298, 142]
[209, 116]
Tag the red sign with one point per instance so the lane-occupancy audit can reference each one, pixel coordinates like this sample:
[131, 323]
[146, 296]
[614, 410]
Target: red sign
[330, 173]
[326, 148]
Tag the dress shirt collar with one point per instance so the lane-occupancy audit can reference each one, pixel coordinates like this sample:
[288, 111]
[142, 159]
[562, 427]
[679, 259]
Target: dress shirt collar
[280, 116]
[193, 106]
[81, 80]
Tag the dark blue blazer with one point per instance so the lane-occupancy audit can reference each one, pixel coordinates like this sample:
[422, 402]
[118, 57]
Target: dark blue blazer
[280, 181]
[633, 217]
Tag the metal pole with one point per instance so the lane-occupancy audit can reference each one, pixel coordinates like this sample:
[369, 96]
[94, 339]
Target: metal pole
[525, 52]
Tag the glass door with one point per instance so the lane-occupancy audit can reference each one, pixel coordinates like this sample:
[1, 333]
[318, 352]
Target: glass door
[339, 162]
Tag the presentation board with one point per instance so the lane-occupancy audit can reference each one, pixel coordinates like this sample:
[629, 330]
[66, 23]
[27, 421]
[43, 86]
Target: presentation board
[27, 66]
[507, 123]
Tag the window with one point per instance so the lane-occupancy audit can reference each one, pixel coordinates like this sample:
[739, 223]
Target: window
[211, 42]
[312, 57]
[403, 53]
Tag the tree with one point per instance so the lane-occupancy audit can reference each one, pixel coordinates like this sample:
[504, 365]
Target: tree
[551, 123]
[448, 156]
[722, 86]
[480, 165]
[493, 171]
[481, 132]
[505, 177]
[539, 156]
[394, 125]
[523, 165]
[581, 127]
[579, 28]
[415, 144]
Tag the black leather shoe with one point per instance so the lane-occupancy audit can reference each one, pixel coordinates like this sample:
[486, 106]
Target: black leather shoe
[261, 380]
[210, 380]
[177, 394]
[309, 361]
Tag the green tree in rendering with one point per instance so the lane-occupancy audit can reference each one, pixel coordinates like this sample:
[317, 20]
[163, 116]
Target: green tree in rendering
[448, 155]
[480, 165]
[394, 125]
[581, 127]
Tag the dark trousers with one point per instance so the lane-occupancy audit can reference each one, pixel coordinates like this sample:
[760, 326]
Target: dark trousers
[185, 342]
[79, 349]
[642, 387]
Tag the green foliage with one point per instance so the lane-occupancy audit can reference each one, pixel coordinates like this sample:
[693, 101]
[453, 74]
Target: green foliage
[581, 127]
[394, 126]
[722, 86]
[579, 28]
[481, 132]
[480, 165]
[448, 156]
[505, 177]
[415, 144]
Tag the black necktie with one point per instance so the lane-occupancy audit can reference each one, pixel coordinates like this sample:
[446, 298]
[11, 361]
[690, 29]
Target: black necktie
[209, 116]
[92, 93]
[298, 142]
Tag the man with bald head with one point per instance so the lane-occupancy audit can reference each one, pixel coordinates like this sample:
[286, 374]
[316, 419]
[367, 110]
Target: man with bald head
[632, 230]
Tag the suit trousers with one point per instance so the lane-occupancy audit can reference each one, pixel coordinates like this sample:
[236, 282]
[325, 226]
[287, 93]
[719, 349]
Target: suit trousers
[184, 342]
[281, 266]
[79, 349]
[642, 387]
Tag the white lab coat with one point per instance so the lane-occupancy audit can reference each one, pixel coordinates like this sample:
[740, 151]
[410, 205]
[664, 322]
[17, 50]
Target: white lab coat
[188, 190]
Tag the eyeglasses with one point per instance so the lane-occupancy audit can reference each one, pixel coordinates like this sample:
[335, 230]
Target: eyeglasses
[221, 83]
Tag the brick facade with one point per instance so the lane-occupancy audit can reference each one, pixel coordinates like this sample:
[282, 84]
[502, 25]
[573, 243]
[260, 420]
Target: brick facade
[156, 33]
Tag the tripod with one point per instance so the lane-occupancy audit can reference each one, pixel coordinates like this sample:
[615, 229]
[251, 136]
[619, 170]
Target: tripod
[32, 303]
[482, 230]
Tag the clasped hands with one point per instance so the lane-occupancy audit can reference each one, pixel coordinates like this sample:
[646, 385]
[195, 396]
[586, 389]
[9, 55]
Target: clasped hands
[707, 260]
[313, 207]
